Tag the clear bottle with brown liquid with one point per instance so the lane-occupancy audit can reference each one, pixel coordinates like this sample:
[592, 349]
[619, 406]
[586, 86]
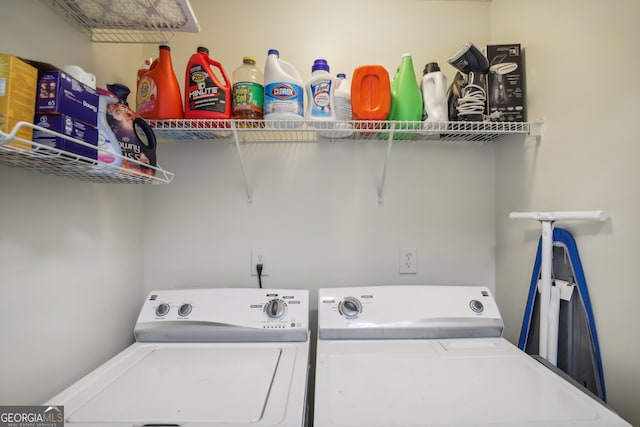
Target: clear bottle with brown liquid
[248, 93]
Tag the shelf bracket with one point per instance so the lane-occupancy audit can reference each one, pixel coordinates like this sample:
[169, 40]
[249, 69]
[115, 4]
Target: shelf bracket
[535, 130]
[384, 167]
[242, 165]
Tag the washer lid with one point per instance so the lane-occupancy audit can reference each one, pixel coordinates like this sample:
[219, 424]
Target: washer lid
[187, 385]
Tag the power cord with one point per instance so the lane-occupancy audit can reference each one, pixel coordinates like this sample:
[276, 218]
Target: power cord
[472, 101]
[259, 270]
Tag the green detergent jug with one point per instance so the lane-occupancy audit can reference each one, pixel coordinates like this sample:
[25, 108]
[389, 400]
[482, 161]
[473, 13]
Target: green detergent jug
[406, 100]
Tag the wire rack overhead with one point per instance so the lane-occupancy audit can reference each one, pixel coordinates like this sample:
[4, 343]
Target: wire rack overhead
[128, 21]
[23, 153]
[367, 130]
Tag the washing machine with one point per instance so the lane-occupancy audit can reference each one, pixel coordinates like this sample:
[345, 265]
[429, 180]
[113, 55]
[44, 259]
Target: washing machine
[434, 356]
[215, 357]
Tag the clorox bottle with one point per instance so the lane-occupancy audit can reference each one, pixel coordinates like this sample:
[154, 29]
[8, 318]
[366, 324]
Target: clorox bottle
[283, 93]
[206, 95]
[159, 95]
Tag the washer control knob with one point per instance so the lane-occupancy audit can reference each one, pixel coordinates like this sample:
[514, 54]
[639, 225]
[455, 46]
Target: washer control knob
[184, 310]
[275, 308]
[350, 307]
[162, 309]
[476, 306]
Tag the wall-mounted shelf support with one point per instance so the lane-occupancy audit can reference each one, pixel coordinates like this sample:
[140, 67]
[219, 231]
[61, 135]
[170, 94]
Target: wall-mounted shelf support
[242, 165]
[383, 178]
[254, 131]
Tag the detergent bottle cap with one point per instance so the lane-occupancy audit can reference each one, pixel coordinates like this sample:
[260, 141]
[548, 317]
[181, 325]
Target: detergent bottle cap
[203, 49]
[120, 91]
[341, 76]
[320, 65]
[274, 52]
[431, 67]
[164, 47]
[248, 59]
[146, 64]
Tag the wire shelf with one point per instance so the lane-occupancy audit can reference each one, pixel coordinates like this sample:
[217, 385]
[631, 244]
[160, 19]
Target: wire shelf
[364, 130]
[238, 131]
[26, 154]
[128, 21]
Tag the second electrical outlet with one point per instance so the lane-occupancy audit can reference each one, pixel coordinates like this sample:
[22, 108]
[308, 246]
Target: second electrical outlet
[257, 257]
[408, 261]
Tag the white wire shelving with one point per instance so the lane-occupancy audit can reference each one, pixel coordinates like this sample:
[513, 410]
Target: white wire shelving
[128, 21]
[364, 130]
[252, 131]
[26, 154]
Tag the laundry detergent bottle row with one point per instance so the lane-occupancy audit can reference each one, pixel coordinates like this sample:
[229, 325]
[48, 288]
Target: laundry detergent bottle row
[159, 95]
[283, 93]
[207, 93]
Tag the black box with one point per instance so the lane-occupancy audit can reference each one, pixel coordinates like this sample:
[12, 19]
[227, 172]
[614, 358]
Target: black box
[506, 83]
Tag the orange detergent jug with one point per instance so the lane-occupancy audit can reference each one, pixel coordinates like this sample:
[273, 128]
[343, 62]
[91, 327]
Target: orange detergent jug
[206, 96]
[159, 95]
[370, 94]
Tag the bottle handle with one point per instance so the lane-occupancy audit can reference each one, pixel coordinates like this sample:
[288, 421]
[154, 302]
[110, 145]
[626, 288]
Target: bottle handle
[289, 69]
[149, 140]
[218, 65]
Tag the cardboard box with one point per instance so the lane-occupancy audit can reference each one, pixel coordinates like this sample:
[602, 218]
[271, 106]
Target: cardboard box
[58, 92]
[18, 82]
[66, 125]
[506, 82]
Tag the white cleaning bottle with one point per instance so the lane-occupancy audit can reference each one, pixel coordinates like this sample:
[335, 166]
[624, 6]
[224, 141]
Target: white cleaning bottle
[283, 93]
[342, 97]
[109, 151]
[321, 109]
[434, 93]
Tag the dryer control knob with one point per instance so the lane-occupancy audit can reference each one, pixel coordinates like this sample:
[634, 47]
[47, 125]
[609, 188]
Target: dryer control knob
[350, 307]
[185, 310]
[476, 306]
[275, 308]
[162, 309]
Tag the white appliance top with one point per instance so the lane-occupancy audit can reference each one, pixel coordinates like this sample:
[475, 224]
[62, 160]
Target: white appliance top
[405, 312]
[258, 378]
[377, 365]
[224, 315]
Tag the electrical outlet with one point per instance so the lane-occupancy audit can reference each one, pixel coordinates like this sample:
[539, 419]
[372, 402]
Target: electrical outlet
[408, 261]
[257, 257]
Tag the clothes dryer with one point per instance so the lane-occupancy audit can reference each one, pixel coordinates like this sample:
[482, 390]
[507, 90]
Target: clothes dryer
[434, 356]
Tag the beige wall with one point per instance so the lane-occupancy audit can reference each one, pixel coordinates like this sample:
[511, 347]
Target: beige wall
[581, 65]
